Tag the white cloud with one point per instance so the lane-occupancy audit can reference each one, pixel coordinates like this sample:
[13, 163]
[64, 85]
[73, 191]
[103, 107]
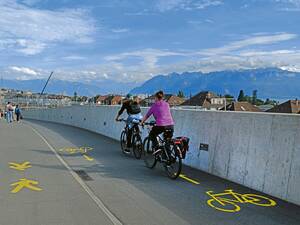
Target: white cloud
[149, 56]
[235, 55]
[24, 70]
[120, 30]
[167, 5]
[29, 30]
[288, 5]
[73, 58]
[231, 56]
[251, 41]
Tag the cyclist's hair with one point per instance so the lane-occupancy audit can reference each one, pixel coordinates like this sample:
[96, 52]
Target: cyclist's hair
[159, 95]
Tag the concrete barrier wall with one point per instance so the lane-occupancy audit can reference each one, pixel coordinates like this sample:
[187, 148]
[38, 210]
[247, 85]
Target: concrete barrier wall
[258, 150]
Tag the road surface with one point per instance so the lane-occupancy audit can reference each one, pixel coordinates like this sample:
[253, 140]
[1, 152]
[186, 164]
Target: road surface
[47, 180]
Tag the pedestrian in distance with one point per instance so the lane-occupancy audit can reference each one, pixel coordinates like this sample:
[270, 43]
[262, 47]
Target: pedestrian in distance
[18, 113]
[9, 112]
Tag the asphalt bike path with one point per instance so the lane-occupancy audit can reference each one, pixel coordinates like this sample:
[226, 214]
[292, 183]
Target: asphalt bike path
[116, 189]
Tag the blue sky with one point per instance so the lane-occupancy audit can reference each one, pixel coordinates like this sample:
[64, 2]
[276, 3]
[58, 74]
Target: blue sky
[133, 40]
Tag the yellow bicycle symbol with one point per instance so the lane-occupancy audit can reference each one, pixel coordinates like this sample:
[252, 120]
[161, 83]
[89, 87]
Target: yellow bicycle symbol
[85, 149]
[219, 202]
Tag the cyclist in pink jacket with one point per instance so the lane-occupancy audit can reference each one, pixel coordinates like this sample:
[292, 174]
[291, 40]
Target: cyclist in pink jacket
[162, 114]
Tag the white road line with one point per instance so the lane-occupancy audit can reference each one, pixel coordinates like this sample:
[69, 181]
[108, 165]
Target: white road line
[99, 203]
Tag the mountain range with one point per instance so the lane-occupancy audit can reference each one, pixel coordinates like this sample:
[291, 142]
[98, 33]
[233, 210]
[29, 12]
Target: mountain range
[56, 86]
[272, 83]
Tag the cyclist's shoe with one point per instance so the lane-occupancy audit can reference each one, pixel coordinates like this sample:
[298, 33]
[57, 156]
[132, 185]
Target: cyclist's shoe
[127, 150]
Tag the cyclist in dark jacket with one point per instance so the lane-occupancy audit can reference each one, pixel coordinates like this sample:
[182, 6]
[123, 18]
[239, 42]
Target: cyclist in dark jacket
[133, 110]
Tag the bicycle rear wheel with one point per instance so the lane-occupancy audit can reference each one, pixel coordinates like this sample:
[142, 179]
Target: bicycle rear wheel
[137, 145]
[259, 200]
[149, 158]
[123, 141]
[174, 165]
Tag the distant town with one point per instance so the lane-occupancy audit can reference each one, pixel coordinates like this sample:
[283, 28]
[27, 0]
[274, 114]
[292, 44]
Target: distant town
[204, 100]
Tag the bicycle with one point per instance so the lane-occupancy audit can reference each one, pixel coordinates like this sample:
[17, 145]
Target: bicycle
[136, 139]
[220, 203]
[168, 153]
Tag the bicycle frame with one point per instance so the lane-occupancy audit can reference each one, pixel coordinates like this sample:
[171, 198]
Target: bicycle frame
[238, 198]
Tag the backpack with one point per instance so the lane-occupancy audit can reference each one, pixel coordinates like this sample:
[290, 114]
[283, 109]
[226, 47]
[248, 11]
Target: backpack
[17, 111]
[134, 108]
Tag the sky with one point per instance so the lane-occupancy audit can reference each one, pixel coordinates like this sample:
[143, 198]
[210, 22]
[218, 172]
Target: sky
[134, 40]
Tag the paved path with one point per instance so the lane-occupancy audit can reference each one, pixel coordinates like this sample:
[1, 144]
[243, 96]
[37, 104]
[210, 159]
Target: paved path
[122, 189]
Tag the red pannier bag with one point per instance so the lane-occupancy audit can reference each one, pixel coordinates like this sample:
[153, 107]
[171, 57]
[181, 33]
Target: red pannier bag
[183, 143]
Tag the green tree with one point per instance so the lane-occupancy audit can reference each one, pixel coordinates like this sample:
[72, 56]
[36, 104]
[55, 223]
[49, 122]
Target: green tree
[254, 97]
[180, 94]
[75, 96]
[241, 96]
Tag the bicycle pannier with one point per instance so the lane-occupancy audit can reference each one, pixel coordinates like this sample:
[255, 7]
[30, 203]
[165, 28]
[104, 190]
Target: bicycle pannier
[183, 143]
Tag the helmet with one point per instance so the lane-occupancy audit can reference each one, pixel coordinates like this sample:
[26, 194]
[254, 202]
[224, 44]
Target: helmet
[129, 96]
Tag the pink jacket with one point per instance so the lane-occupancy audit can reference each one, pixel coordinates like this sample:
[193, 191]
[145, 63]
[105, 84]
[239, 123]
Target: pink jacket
[162, 113]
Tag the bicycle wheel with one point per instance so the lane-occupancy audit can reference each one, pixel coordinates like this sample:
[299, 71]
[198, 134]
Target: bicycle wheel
[149, 158]
[174, 165]
[228, 206]
[137, 146]
[123, 141]
[259, 200]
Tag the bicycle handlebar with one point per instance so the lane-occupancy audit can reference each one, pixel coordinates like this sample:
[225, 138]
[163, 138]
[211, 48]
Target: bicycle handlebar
[121, 120]
[152, 123]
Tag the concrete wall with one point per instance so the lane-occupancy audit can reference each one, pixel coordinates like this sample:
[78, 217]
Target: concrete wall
[258, 150]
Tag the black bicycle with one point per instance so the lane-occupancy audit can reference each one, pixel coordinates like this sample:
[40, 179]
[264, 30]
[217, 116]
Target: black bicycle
[170, 152]
[136, 139]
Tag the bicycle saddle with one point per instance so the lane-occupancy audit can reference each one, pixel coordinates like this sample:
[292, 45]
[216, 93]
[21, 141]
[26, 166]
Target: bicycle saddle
[168, 134]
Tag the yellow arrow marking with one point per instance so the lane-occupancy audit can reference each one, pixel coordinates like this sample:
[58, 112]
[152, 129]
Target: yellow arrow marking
[188, 179]
[88, 158]
[24, 183]
[21, 167]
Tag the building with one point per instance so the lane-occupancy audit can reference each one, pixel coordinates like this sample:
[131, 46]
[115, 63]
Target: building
[265, 108]
[207, 100]
[101, 100]
[113, 100]
[291, 106]
[241, 107]
[173, 100]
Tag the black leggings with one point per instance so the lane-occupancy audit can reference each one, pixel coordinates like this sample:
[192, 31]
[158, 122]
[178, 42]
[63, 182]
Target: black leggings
[18, 116]
[129, 135]
[157, 130]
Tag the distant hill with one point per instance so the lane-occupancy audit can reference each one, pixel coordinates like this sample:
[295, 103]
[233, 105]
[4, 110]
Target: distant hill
[270, 83]
[59, 86]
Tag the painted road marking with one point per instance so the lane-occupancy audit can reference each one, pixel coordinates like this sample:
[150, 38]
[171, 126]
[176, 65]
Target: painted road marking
[97, 200]
[74, 150]
[24, 183]
[21, 167]
[230, 205]
[85, 149]
[188, 179]
[88, 158]
[70, 150]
